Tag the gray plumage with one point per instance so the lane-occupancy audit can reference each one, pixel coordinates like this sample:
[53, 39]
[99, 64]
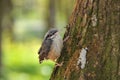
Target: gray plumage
[51, 46]
[43, 52]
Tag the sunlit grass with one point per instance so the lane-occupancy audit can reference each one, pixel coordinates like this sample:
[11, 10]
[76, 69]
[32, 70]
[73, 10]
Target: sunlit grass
[20, 60]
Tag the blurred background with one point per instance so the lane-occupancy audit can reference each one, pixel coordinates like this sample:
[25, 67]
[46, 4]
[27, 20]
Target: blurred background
[23, 24]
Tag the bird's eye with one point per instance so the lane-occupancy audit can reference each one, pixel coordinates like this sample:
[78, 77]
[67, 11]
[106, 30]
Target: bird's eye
[49, 35]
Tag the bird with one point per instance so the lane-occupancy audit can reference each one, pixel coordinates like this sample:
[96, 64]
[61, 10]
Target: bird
[51, 46]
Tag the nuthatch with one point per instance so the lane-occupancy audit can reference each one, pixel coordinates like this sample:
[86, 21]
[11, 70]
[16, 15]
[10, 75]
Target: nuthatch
[51, 46]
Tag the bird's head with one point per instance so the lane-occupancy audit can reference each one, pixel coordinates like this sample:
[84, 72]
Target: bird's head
[51, 34]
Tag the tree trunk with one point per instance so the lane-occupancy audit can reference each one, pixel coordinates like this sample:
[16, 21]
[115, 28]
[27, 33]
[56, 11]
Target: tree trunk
[8, 18]
[5, 10]
[94, 30]
[1, 38]
[50, 14]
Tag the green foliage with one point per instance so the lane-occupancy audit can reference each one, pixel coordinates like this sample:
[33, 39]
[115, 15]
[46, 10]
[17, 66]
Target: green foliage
[21, 62]
[25, 21]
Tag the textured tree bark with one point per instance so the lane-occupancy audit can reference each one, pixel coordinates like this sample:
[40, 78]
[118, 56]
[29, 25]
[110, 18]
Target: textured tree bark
[94, 24]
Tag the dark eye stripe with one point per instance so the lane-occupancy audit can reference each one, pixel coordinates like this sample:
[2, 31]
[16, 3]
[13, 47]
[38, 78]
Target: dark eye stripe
[48, 36]
[54, 32]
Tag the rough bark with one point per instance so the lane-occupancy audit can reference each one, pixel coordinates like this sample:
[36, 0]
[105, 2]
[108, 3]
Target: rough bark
[94, 24]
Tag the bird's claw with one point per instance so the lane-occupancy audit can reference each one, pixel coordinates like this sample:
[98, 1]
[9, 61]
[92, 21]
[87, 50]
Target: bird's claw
[59, 64]
[66, 39]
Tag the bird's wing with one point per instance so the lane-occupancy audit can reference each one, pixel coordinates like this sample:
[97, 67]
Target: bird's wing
[44, 50]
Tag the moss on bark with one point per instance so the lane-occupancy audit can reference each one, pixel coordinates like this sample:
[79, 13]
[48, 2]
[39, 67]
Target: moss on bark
[93, 24]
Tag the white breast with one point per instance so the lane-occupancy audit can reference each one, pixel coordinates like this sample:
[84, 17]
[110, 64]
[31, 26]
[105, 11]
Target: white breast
[57, 44]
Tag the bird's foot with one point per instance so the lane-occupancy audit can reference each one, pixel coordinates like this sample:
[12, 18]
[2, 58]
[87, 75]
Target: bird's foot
[66, 39]
[59, 64]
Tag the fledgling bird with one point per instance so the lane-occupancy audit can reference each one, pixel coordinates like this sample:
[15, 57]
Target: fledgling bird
[51, 46]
